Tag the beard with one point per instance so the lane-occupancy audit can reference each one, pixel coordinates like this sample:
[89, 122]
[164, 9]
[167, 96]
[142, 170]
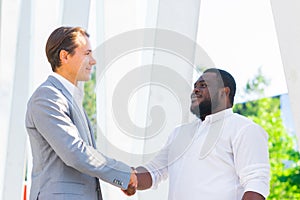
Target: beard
[205, 107]
[202, 110]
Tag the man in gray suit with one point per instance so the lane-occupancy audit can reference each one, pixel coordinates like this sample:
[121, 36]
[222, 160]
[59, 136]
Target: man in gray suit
[66, 164]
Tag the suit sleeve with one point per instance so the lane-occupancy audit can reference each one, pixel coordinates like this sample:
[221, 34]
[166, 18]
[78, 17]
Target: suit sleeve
[49, 113]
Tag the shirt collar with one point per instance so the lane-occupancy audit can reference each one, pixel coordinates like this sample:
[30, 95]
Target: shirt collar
[72, 89]
[217, 116]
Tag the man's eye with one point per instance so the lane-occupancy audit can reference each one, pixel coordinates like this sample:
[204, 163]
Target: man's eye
[203, 85]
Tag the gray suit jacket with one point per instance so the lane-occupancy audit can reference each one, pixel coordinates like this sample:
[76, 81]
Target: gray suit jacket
[65, 165]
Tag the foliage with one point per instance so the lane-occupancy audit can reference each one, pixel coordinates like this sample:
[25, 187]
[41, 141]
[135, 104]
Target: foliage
[257, 85]
[284, 159]
[89, 101]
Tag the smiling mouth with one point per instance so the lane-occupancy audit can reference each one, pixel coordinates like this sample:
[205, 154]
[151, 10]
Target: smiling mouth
[195, 98]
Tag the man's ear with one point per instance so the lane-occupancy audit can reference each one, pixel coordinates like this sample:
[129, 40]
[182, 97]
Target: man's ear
[226, 91]
[63, 55]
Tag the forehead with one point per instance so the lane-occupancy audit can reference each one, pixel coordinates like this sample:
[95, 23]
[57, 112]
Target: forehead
[208, 77]
[83, 41]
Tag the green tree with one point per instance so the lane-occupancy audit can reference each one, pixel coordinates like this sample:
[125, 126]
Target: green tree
[284, 159]
[89, 101]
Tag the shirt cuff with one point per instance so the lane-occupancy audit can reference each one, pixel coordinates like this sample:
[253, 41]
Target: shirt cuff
[260, 187]
[151, 171]
[256, 178]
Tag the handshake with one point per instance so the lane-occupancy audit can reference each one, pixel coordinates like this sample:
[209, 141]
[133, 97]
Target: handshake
[133, 183]
[140, 179]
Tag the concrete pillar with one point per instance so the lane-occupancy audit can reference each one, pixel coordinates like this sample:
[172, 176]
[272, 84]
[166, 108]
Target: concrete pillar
[176, 56]
[16, 138]
[0, 23]
[287, 22]
[76, 13]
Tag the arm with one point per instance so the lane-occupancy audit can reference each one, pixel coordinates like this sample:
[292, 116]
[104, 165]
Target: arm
[143, 181]
[133, 184]
[158, 167]
[49, 116]
[252, 196]
[144, 178]
[252, 161]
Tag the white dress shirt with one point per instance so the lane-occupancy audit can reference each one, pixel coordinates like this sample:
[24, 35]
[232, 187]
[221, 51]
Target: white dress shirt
[219, 158]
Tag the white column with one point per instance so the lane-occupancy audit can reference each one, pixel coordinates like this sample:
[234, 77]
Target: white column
[1, 13]
[76, 13]
[175, 51]
[16, 138]
[287, 21]
[3, 143]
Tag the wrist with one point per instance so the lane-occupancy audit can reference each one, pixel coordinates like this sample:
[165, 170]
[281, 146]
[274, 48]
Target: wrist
[133, 170]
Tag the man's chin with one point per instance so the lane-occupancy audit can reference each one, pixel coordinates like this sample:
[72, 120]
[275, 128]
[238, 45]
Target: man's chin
[195, 111]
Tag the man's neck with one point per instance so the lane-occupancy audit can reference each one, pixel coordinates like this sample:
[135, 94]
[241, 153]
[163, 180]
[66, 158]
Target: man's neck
[67, 77]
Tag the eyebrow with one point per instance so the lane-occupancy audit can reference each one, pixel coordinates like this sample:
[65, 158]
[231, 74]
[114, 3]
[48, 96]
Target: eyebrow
[201, 81]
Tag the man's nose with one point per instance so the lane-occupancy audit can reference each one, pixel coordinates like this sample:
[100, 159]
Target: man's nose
[92, 61]
[196, 90]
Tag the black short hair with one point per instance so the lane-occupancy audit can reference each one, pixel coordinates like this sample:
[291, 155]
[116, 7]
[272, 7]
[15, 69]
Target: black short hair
[228, 81]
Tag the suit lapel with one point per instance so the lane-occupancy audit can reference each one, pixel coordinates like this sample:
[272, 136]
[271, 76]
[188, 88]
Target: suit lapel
[91, 129]
[60, 87]
[86, 130]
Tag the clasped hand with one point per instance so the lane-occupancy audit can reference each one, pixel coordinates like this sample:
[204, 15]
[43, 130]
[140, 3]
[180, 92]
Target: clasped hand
[132, 185]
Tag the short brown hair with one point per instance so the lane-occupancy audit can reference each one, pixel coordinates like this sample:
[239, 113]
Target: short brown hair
[62, 38]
